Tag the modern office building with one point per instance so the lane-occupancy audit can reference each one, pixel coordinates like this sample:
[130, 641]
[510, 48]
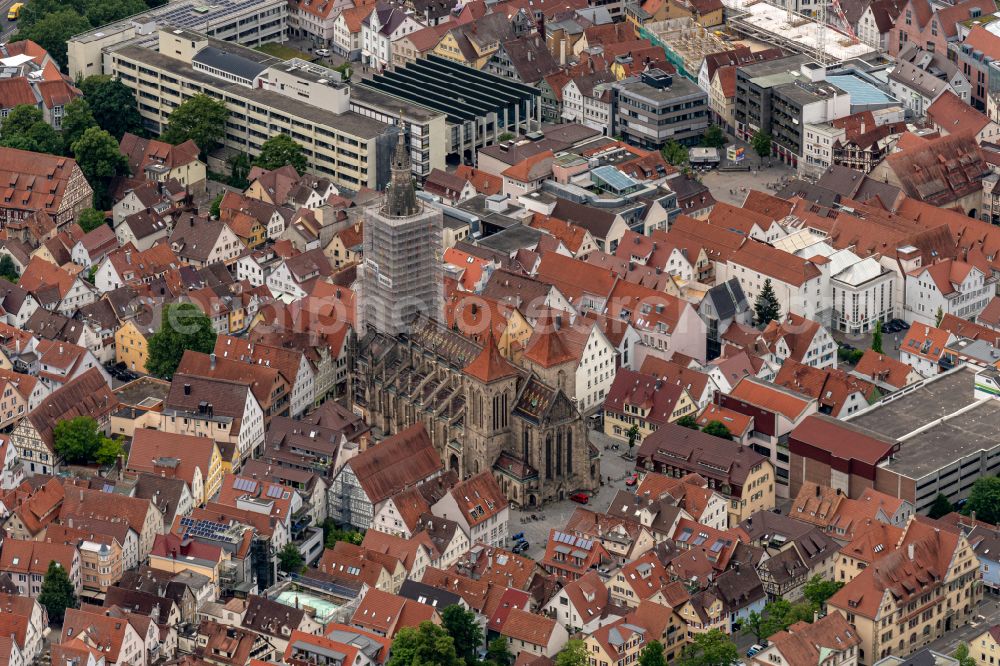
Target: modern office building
[655, 107]
[753, 91]
[247, 22]
[478, 107]
[265, 97]
[401, 276]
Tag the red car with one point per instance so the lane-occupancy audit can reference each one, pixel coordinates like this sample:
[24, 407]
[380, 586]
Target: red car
[632, 480]
[582, 498]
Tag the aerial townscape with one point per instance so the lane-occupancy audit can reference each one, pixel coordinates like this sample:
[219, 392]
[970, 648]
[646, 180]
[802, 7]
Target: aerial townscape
[500, 332]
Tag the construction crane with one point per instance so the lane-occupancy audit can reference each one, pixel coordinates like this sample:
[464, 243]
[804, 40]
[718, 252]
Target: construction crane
[847, 24]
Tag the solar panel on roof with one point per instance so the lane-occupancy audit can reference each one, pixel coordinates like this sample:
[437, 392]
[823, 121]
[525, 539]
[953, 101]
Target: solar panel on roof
[274, 491]
[716, 547]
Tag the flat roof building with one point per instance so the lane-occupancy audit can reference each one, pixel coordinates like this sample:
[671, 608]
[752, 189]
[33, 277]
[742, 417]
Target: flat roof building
[654, 107]
[936, 436]
[479, 107]
[248, 22]
[265, 96]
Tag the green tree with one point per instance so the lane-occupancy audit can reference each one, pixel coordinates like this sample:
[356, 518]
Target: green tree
[817, 590]
[713, 648]
[761, 142]
[77, 119]
[96, 152]
[962, 655]
[215, 210]
[290, 560]
[425, 645]
[633, 434]
[113, 105]
[108, 452]
[25, 128]
[688, 421]
[79, 439]
[239, 169]
[984, 499]
[877, 338]
[332, 534]
[461, 625]
[714, 137]
[766, 307]
[103, 12]
[652, 655]
[717, 429]
[183, 326]
[938, 316]
[940, 507]
[757, 625]
[52, 32]
[20, 119]
[280, 150]
[573, 654]
[674, 153]
[345, 70]
[8, 269]
[498, 652]
[201, 119]
[90, 218]
[57, 593]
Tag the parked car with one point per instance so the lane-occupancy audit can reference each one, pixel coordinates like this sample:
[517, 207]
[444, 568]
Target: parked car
[520, 547]
[754, 649]
[518, 537]
[632, 480]
[322, 53]
[581, 498]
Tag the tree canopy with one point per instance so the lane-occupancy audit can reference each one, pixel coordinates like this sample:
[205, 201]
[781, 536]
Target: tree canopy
[818, 589]
[984, 499]
[57, 593]
[963, 656]
[112, 105]
[96, 152]
[498, 652]
[652, 655]
[183, 326]
[423, 646]
[714, 137]
[89, 219]
[80, 440]
[766, 307]
[940, 507]
[761, 142]
[674, 153]
[574, 653]
[877, 338]
[688, 421]
[77, 119]
[280, 150]
[8, 269]
[201, 119]
[25, 128]
[717, 429]
[461, 625]
[712, 648]
[290, 559]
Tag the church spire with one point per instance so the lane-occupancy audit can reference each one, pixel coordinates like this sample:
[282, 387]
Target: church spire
[401, 197]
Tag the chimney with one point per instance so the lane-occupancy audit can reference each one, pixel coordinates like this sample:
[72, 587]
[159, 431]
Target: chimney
[187, 389]
[909, 551]
[211, 360]
[128, 257]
